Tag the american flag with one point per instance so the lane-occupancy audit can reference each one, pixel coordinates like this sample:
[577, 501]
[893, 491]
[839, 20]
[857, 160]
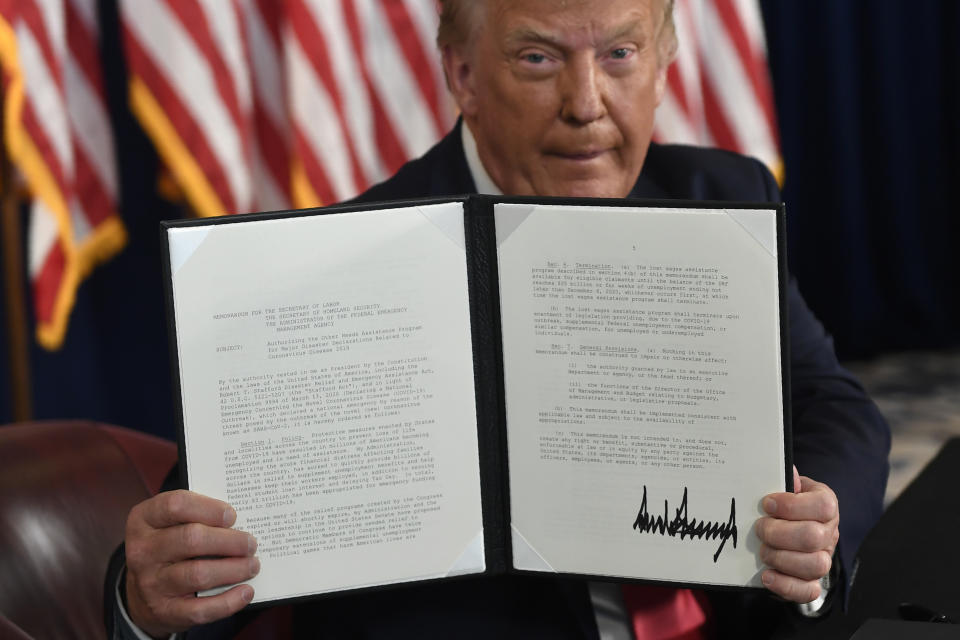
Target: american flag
[264, 104]
[57, 133]
[718, 90]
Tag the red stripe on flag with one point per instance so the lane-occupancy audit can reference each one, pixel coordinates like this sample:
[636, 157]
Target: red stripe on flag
[315, 173]
[716, 118]
[87, 188]
[676, 88]
[313, 43]
[10, 10]
[754, 65]
[271, 140]
[192, 136]
[273, 149]
[46, 283]
[84, 51]
[271, 12]
[391, 150]
[417, 59]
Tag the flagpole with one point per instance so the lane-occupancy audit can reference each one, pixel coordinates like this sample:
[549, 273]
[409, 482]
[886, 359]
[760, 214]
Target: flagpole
[15, 302]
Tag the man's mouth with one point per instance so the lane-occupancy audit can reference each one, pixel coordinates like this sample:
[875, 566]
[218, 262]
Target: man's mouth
[579, 155]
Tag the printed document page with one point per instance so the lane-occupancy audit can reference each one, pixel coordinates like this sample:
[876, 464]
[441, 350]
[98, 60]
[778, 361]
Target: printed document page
[327, 383]
[643, 388]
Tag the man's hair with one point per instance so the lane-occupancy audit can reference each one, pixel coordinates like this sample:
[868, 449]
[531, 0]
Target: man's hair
[459, 19]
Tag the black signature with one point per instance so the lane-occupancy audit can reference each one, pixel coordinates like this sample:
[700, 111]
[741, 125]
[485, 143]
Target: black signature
[682, 527]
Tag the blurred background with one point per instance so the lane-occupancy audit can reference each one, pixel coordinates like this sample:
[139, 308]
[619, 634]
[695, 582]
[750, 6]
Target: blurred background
[121, 113]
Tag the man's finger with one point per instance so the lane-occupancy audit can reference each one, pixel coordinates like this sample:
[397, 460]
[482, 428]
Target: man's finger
[181, 578]
[818, 504]
[809, 484]
[171, 508]
[189, 611]
[806, 566]
[791, 588]
[805, 536]
[195, 540]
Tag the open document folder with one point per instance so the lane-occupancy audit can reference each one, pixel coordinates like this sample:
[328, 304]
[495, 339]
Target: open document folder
[412, 391]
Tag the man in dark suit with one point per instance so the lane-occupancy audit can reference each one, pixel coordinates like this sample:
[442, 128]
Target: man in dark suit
[557, 99]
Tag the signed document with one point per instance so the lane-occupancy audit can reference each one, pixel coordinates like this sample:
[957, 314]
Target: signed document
[643, 387]
[412, 391]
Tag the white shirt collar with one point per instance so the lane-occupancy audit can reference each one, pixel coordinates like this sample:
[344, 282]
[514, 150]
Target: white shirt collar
[481, 179]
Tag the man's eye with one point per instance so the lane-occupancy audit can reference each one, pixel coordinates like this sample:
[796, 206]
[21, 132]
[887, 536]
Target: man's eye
[620, 54]
[534, 58]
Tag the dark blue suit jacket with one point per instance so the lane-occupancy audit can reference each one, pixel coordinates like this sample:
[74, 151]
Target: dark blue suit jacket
[839, 438]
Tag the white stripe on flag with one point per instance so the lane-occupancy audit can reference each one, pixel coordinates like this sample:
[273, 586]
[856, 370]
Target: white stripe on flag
[748, 12]
[41, 236]
[425, 19]
[54, 21]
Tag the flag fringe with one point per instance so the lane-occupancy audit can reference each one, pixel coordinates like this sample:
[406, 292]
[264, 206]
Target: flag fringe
[198, 190]
[106, 240]
[304, 195]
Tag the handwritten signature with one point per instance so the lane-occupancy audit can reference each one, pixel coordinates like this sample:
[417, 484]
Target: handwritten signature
[683, 527]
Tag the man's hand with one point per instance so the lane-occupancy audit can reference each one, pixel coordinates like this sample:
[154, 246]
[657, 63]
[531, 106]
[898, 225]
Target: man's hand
[177, 543]
[799, 538]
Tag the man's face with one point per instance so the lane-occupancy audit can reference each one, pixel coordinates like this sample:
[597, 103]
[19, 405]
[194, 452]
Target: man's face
[560, 95]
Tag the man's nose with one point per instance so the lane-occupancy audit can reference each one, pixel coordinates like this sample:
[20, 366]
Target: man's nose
[582, 90]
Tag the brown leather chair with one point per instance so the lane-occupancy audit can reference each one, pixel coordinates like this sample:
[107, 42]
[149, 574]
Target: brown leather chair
[65, 490]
